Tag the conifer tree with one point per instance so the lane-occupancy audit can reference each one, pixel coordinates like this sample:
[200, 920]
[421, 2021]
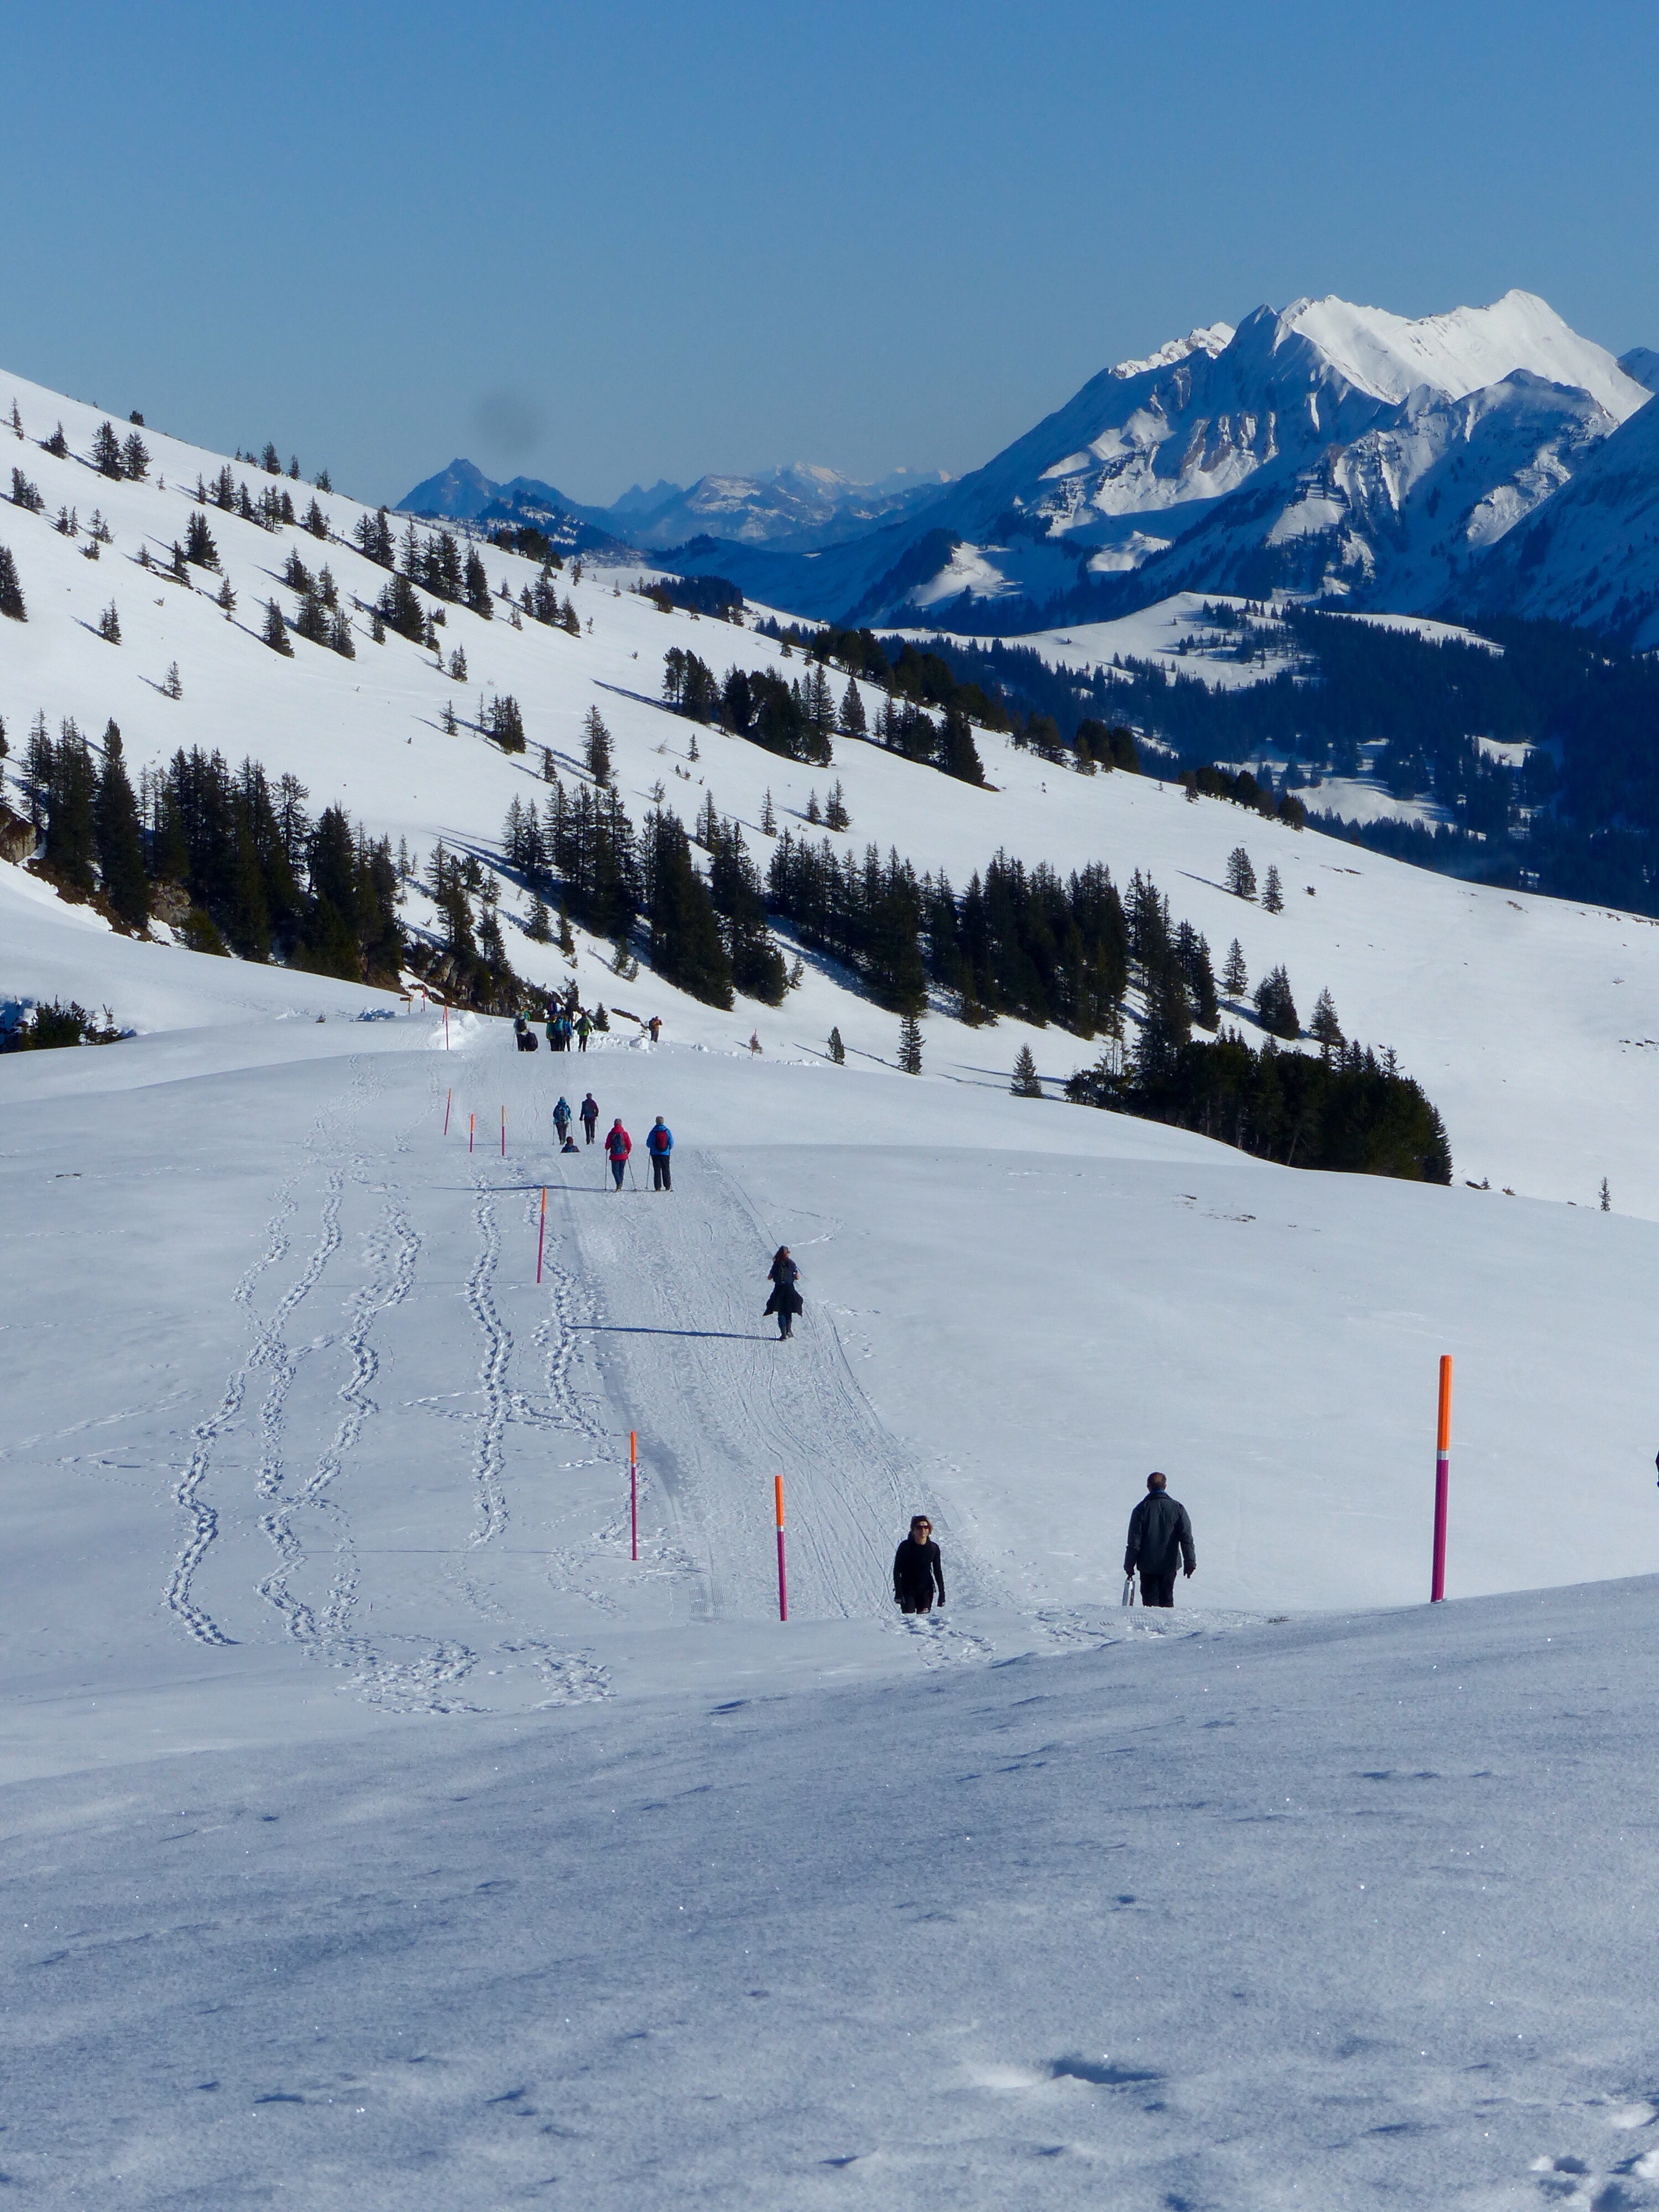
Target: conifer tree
[57, 444]
[109, 627]
[958, 754]
[837, 1049]
[835, 816]
[11, 592]
[1325, 1026]
[1241, 876]
[227, 599]
[275, 631]
[24, 493]
[172, 684]
[458, 666]
[1276, 1006]
[119, 840]
[476, 587]
[316, 521]
[1607, 1197]
[768, 819]
[1027, 1083]
[597, 741]
[507, 723]
[1273, 892]
[1234, 977]
[324, 482]
[106, 450]
[814, 812]
[270, 461]
[71, 806]
[199, 547]
[17, 420]
[539, 927]
[910, 1046]
[853, 720]
[134, 458]
[686, 947]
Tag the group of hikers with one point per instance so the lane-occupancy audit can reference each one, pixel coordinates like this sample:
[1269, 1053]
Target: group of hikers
[1160, 1544]
[569, 1025]
[619, 1145]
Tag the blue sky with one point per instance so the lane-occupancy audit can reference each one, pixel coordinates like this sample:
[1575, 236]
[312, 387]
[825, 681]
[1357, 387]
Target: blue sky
[601, 244]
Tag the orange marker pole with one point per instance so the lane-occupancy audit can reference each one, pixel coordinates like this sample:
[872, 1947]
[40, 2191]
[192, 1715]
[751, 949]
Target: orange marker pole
[783, 1579]
[470, 1119]
[448, 1095]
[1442, 1481]
[541, 1235]
[634, 1490]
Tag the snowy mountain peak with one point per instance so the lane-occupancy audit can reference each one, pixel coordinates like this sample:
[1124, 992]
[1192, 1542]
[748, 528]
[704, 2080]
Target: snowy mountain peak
[1214, 338]
[1391, 357]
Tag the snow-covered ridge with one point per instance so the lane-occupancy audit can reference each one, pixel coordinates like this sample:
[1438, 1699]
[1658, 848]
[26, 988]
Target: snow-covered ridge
[1213, 339]
[1463, 351]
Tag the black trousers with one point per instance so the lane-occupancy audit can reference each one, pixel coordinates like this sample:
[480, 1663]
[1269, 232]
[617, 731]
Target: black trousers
[588, 1126]
[1158, 1589]
[661, 1177]
[916, 1602]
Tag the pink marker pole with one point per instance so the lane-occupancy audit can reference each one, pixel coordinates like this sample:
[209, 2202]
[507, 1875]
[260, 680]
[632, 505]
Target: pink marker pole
[783, 1578]
[470, 1120]
[541, 1235]
[634, 1491]
[448, 1096]
[1442, 1481]
[503, 1132]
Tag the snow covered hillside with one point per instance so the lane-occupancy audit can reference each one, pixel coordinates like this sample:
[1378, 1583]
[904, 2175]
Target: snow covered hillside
[1524, 1018]
[1326, 447]
[378, 1828]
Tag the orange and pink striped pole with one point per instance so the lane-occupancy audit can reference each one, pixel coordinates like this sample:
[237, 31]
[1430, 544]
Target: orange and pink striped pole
[783, 1579]
[1442, 1481]
[634, 1491]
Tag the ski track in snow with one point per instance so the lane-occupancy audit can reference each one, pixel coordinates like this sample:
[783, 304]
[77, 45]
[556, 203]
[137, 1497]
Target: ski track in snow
[721, 1406]
[267, 1349]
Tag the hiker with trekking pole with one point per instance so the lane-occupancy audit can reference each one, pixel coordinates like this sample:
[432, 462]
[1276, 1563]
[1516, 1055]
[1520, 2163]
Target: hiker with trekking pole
[1160, 1546]
[617, 1145]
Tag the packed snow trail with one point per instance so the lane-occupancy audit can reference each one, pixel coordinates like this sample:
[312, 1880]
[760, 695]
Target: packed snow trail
[721, 1406]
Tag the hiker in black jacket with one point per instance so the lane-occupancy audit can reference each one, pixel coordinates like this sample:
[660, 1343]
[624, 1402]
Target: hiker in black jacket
[1160, 1542]
[918, 1571]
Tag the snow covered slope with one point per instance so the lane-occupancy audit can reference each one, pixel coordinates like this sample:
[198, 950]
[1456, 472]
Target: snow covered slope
[1327, 446]
[1528, 1022]
[377, 1830]
[1591, 556]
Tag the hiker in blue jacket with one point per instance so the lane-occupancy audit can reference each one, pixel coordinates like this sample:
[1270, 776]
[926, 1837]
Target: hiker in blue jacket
[561, 1121]
[659, 1144]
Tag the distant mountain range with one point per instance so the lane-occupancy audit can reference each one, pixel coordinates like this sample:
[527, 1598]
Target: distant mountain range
[1488, 459]
[798, 508]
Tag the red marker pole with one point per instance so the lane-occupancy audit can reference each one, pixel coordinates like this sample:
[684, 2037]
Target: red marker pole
[634, 1490]
[470, 1119]
[1442, 1481]
[448, 1095]
[783, 1579]
[541, 1235]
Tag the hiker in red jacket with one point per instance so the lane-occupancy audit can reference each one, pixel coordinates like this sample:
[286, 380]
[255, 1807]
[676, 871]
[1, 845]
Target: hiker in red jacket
[617, 1145]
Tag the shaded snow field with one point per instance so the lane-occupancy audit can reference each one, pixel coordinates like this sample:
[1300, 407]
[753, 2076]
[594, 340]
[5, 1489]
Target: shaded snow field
[377, 1833]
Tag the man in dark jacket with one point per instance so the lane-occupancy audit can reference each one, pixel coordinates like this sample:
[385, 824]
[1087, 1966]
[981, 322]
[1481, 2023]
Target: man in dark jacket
[918, 1571]
[1160, 1542]
[590, 1114]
